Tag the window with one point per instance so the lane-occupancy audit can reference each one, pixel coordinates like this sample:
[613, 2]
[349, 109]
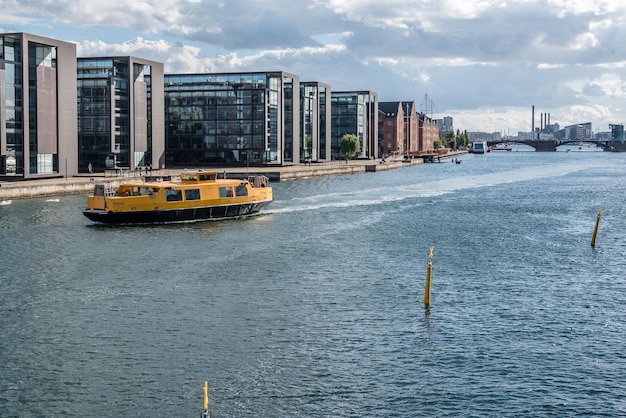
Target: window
[389, 123]
[210, 176]
[226, 192]
[241, 190]
[173, 195]
[192, 194]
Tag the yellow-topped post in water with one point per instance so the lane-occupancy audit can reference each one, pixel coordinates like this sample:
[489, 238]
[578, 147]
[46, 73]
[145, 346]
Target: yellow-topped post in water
[206, 396]
[428, 271]
[595, 230]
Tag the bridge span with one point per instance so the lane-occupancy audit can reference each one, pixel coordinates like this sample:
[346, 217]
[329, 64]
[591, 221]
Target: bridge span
[551, 145]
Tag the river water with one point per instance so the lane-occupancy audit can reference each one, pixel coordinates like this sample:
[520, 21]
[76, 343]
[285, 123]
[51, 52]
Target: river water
[315, 308]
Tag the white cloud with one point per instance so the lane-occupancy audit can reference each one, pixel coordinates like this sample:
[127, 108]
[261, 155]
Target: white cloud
[584, 41]
[486, 60]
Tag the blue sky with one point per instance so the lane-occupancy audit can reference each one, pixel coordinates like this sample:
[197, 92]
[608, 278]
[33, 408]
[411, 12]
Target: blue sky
[485, 63]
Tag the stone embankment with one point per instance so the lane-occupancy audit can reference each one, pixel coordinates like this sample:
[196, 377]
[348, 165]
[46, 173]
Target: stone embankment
[85, 183]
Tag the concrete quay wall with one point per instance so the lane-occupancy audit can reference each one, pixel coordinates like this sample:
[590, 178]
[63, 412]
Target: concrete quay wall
[85, 184]
[302, 172]
[39, 188]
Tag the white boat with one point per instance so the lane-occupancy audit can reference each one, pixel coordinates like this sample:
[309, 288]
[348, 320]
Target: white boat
[479, 147]
[503, 146]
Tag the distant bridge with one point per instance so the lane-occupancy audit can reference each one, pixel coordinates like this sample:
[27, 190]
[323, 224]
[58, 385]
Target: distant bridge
[551, 145]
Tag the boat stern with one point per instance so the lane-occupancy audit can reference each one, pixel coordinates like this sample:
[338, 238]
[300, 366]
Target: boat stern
[98, 200]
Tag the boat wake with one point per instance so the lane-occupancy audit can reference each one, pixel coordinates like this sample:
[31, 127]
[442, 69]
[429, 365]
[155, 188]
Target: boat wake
[419, 190]
[5, 202]
[335, 200]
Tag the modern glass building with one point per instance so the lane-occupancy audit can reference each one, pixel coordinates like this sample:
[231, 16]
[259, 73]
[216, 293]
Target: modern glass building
[37, 107]
[315, 117]
[355, 112]
[579, 132]
[120, 113]
[617, 133]
[232, 118]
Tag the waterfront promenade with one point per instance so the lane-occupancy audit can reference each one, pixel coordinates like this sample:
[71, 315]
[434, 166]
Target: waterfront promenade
[84, 183]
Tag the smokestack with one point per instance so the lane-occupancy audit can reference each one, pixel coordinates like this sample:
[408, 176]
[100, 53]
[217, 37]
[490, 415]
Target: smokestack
[533, 121]
[548, 119]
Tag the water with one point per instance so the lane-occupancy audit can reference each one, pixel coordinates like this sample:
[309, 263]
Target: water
[315, 308]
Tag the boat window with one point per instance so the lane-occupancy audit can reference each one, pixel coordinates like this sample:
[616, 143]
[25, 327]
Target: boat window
[241, 190]
[173, 195]
[209, 176]
[226, 192]
[192, 194]
[143, 191]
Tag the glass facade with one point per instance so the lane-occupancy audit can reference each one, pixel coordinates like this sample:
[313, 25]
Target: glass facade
[29, 146]
[575, 132]
[308, 134]
[355, 113]
[114, 113]
[39, 56]
[94, 84]
[245, 118]
[325, 120]
[617, 133]
[13, 153]
[314, 133]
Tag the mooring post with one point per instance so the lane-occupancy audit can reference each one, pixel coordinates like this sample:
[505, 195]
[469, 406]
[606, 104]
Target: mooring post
[429, 269]
[595, 230]
[206, 413]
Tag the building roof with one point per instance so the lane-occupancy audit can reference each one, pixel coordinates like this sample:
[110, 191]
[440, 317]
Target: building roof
[389, 108]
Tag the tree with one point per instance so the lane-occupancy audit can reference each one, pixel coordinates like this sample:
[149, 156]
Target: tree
[349, 146]
[451, 140]
[466, 139]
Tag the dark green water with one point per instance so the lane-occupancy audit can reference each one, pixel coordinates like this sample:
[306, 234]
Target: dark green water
[315, 308]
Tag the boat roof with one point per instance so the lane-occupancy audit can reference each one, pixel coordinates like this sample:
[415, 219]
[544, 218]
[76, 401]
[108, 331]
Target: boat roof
[185, 178]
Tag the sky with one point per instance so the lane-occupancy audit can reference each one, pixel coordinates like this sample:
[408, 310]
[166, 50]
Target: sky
[485, 63]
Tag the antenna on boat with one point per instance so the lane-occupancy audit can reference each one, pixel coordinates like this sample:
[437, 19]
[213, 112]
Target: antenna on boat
[595, 230]
[429, 269]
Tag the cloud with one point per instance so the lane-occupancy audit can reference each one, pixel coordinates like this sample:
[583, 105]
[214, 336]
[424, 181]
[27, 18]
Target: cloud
[593, 89]
[491, 59]
[137, 47]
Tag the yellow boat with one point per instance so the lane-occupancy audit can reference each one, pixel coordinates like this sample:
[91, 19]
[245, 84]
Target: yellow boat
[199, 195]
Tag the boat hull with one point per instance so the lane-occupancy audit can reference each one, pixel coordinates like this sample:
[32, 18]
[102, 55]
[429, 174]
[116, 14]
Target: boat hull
[176, 215]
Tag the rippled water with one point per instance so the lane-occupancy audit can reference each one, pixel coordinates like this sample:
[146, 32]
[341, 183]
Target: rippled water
[315, 308]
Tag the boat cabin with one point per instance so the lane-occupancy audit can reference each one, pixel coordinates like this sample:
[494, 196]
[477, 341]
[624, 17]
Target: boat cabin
[198, 176]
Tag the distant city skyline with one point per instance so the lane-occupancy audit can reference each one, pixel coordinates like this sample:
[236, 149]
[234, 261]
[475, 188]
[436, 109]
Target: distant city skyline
[484, 63]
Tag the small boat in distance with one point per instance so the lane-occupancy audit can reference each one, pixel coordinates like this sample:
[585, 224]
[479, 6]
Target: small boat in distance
[196, 196]
[503, 146]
